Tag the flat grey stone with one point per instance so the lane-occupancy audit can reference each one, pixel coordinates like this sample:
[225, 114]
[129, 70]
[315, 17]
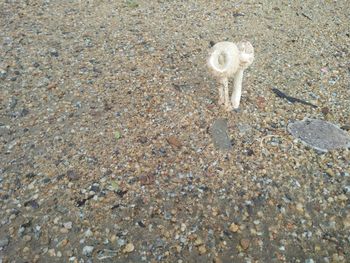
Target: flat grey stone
[219, 135]
[87, 251]
[4, 242]
[320, 135]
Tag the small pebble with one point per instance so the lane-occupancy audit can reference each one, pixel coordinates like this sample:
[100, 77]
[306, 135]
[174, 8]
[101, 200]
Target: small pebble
[27, 238]
[244, 243]
[300, 207]
[68, 225]
[342, 197]
[4, 242]
[87, 251]
[52, 252]
[88, 233]
[202, 250]
[198, 242]
[183, 227]
[128, 248]
[234, 228]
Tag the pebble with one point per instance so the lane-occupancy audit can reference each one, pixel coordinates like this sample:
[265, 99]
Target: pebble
[300, 207]
[27, 238]
[87, 251]
[330, 172]
[175, 142]
[198, 242]
[346, 222]
[342, 197]
[64, 230]
[88, 233]
[202, 250]
[68, 225]
[52, 252]
[183, 227]
[121, 242]
[244, 243]
[128, 248]
[234, 228]
[113, 238]
[4, 242]
[63, 243]
[219, 135]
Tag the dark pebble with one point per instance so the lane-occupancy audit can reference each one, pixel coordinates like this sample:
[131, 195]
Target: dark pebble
[54, 53]
[24, 112]
[325, 110]
[32, 203]
[72, 175]
[142, 140]
[95, 188]
[30, 175]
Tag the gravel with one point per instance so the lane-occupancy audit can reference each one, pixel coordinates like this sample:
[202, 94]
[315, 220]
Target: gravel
[107, 154]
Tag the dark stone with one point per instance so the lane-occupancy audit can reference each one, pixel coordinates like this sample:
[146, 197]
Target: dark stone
[220, 136]
[54, 53]
[142, 140]
[32, 203]
[24, 112]
[46, 180]
[95, 188]
[30, 175]
[72, 175]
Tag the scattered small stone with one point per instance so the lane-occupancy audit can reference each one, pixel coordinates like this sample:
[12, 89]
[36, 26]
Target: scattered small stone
[175, 142]
[142, 140]
[113, 238]
[121, 242]
[68, 225]
[325, 110]
[32, 203]
[27, 238]
[342, 197]
[219, 135]
[128, 248]
[183, 227]
[202, 250]
[244, 243]
[72, 175]
[198, 242]
[147, 179]
[234, 228]
[88, 233]
[217, 260]
[52, 252]
[63, 243]
[4, 242]
[300, 207]
[87, 251]
[330, 172]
